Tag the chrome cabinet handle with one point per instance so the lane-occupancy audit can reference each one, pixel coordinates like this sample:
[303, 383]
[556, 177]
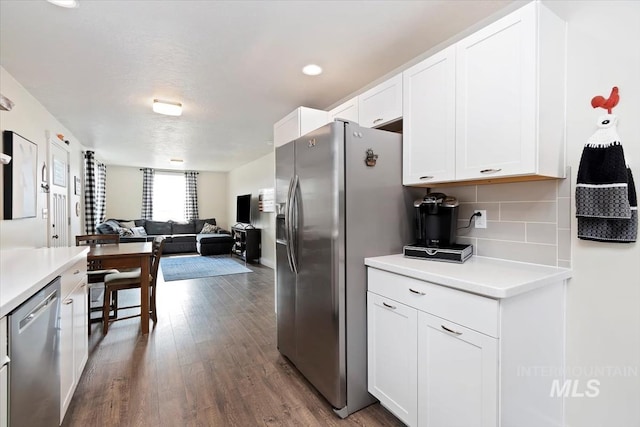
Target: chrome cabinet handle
[490, 170]
[76, 272]
[67, 301]
[426, 177]
[392, 307]
[451, 330]
[416, 292]
[377, 120]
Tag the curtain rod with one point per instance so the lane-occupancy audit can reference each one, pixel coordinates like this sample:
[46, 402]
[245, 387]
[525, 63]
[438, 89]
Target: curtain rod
[169, 170]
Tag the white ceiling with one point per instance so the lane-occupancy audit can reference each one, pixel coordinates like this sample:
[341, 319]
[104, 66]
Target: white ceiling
[235, 65]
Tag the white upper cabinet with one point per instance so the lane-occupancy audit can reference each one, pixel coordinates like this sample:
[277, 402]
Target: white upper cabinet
[510, 97]
[381, 104]
[347, 111]
[429, 119]
[509, 101]
[299, 122]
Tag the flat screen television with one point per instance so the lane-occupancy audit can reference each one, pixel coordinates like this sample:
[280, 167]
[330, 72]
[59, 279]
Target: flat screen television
[243, 209]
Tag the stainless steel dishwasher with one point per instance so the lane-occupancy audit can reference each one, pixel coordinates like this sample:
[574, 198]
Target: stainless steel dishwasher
[34, 350]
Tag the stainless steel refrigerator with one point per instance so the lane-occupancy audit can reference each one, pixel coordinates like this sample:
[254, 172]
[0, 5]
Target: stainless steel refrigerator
[339, 199]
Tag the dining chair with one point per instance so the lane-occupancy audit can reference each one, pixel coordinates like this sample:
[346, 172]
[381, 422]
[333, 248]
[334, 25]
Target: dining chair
[95, 277]
[115, 282]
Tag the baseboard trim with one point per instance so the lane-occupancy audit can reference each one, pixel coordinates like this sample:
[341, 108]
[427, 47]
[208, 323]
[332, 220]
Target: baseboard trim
[267, 262]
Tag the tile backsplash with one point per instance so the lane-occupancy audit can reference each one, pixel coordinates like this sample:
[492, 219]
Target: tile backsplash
[526, 221]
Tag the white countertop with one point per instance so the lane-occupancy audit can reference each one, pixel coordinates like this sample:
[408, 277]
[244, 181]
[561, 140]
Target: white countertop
[23, 272]
[489, 277]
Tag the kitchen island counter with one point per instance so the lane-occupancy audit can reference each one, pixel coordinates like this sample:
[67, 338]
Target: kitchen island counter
[25, 271]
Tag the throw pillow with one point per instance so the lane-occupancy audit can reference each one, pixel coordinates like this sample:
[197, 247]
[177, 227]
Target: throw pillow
[209, 228]
[138, 231]
[124, 232]
[127, 224]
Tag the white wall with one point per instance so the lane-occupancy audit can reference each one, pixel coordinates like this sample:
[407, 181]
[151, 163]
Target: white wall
[603, 318]
[31, 119]
[124, 194]
[249, 179]
[213, 197]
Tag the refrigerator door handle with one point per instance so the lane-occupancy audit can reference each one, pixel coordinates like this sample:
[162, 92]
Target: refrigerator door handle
[287, 224]
[293, 242]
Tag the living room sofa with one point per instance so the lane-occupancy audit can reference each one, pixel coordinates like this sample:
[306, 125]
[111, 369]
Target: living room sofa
[180, 237]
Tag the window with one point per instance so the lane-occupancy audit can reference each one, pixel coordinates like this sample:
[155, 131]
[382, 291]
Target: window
[168, 196]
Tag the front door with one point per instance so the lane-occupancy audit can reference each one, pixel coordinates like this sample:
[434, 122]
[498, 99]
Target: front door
[58, 231]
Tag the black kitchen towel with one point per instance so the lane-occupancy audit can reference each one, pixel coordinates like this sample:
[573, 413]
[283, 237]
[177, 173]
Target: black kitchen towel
[602, 182]
[622, 230]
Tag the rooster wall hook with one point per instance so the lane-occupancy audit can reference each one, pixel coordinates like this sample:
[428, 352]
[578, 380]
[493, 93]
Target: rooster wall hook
[606, 103]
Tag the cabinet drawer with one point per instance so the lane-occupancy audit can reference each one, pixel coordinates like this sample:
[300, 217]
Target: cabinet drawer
[473, 311]
[72, 276]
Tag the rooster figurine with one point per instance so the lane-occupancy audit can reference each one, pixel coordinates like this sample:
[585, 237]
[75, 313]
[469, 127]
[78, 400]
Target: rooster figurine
[608, 103]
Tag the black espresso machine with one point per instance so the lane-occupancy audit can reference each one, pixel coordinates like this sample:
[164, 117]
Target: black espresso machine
[436, 223]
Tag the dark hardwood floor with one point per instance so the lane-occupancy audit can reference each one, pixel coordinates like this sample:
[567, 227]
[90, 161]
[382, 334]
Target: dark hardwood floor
[211, 360]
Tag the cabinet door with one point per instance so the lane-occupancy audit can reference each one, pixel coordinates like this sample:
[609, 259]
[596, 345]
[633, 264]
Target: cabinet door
[457, 375]
[74, 342]
[311, 119]
[80, 338]
[347, 111]
[381, 104]
[392, 356]
[496, 98]
[67, 370]
[4, 397]
[429, 120]
[287, 129]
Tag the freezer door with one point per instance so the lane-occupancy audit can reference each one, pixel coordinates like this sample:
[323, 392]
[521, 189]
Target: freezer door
[285, 164]
[285, 278]
[319, 256]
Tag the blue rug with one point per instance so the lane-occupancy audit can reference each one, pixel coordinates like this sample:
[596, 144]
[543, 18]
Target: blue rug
[194, 267]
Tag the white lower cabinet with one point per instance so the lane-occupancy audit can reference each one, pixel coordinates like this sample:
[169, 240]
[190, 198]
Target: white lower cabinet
[441, 357]
[4, 397]
[74, 342]
[4, 374]
[392, 356]
[457, 375]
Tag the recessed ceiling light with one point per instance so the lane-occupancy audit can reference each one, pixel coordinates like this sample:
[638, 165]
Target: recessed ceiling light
[166, 107]
[312, 70]
[69, 4]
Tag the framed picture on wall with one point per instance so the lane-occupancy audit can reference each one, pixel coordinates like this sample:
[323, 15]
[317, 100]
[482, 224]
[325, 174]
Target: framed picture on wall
[20, 176]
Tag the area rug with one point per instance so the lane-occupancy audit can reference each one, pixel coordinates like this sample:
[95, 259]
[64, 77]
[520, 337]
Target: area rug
[194, 267]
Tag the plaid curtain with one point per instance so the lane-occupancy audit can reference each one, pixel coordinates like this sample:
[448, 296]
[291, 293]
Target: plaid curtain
[90, 208]
[101, 193]
[95, 183]
[147, 193]
[191, 197]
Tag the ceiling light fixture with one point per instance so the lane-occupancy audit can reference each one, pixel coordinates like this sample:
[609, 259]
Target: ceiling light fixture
[176, 161]
[69, 4]
[166, 107]
[312, 70]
